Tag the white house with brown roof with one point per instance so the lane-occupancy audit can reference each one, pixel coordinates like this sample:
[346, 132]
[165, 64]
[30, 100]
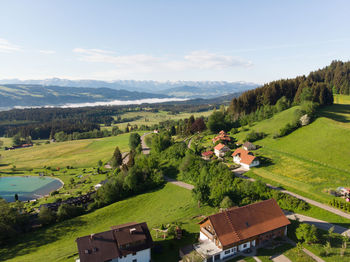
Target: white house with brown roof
[232, 231]
[130, 242]
[245, 158]
[220, 150]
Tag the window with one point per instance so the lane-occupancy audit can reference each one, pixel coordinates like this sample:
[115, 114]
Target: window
[227, 251]
[134, 260]
[244, 245]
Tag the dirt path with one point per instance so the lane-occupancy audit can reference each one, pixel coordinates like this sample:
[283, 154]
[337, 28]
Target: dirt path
[240, 171]
[145, 148]
[178, 183]
[280, 258]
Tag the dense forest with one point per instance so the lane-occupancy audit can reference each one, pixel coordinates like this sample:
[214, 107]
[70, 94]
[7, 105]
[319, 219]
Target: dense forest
[320, 84]
[43, 123]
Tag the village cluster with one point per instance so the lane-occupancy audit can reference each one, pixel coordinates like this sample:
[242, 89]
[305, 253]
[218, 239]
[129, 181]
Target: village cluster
[241, 156]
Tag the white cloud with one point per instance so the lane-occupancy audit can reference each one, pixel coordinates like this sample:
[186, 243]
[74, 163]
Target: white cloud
[7, 47]
[141, 63]
[47, 52]
[206, 60]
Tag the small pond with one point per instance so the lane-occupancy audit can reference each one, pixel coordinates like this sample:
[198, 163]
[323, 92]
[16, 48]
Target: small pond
[27, 187]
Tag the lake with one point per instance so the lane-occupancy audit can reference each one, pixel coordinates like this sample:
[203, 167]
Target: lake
[27, 187]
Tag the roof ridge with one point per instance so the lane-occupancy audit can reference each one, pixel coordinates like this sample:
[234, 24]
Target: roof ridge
[231, 224]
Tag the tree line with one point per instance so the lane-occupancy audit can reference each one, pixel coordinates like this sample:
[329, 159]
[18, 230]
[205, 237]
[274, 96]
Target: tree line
[320, 85]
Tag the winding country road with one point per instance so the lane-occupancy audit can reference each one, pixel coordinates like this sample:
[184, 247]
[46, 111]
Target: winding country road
[240, 171]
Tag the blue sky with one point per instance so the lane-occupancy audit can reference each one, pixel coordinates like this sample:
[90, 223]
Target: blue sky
[253, 41]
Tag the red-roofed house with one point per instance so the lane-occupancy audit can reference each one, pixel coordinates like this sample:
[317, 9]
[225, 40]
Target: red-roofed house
[227, 233]
[222, 137]
[207, 154]
[220, 150]
[245, 158]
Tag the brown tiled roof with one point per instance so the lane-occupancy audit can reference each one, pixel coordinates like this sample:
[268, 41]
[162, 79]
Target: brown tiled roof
[246, 156]
[120, 241]
[222, 136]
[207, 153]
[240, 224]
[219, 146]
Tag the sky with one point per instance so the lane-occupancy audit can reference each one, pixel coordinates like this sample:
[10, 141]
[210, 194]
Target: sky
[253, 41]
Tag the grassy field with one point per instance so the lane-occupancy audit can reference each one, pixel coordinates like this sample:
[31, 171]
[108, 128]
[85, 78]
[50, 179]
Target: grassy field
[150, 118]
[77, 153]
[313, 158]
[163, 206]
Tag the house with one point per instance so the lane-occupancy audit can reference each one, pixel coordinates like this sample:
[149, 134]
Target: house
[222, 137]
[220, 150]
[207, 155]
[131, 242]
[156, 131]
[248, 146]
[343, 191]
[245, 158]
[230, 232]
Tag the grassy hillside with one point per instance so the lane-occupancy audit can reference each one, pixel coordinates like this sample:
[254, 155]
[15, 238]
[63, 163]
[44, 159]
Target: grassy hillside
[77, 153]
[167, 205]
[312, 159]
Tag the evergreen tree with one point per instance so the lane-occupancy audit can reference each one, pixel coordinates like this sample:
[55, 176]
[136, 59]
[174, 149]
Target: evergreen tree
[117, 158]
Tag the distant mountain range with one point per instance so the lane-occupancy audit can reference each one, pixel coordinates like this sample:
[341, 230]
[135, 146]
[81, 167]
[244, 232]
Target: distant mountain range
[183, 89]
[58, 92]
[20, 95]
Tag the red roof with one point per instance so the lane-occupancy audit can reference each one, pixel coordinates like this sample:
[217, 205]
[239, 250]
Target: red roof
[207, 153]
[240, 224]
[247, 157]
[222, 136]
[219, 146]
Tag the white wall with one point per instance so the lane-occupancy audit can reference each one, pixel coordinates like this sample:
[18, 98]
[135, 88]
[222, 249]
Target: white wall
[237, 159]
[202, 236]
[241, 248]
[141, 256]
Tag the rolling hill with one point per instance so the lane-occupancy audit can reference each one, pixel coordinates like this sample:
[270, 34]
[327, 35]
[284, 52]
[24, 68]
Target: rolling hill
[188, 89]
[12, 95]
[312, 159]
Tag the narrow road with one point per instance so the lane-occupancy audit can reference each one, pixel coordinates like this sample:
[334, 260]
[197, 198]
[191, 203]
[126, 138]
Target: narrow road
[240, 171]
[280, 258]
[178, 183]
[145, 149]
[318, 223]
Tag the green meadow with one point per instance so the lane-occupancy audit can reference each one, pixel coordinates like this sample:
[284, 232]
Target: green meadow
[151, 118]
[77, 153]
[167, 205]
[312, 159]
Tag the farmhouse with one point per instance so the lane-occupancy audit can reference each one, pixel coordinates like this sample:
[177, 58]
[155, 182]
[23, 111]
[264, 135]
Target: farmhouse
[130, 242]
[220, 150]
[222, 137]
[207, 155]
[245, 158]
[248, 146]
[230, 232]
